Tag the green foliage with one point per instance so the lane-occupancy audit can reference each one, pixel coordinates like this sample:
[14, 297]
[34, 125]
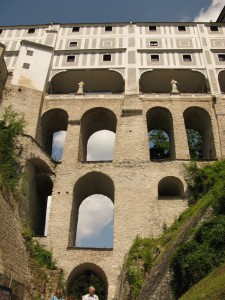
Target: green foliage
[11, 127]
[194, 143]
[159, 144]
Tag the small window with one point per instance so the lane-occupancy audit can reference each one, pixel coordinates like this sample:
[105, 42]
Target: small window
[26, 66]
[181, 28]
[30, 52]
[76, 29]
[153, 43]
[106, 57]
[187, 57]
[221, 57]
[31, 30]
[70, 58]
[108, 28]
[1, 31]
[73, 44]
[154, 57]
[152, 28]
[214, 28]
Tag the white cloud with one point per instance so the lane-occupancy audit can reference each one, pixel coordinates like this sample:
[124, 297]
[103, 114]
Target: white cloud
[95, 214]
[212, 13]
[58, 144]
[101, 146]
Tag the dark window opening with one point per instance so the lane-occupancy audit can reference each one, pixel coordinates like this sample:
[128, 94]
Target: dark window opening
[26, 66]
[106, 57]
[75, 29]
[214, 28]
[221, 57]
[187, 57]
[70, 58]
[181, 28]
[1, 31]
[73, 44]
[154, 57]
[153, 43]
[31, 30]
[108, 28]
[152, 28]
[30, 52]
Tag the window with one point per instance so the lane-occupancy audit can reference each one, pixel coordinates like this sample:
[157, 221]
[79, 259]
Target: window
[73, 44]
[214, 28]
[31, 30]
[30, 52]
[108, 28]
[154, 57]
[1, 31]
[106, 57]
[153, 43]
[221, 57]
[26, 66]
[152, 28]
[181, 28]
[70, 58]
[76, 29]
[187, 57]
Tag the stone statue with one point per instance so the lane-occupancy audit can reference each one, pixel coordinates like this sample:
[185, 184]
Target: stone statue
[174, 87]
[80, 88]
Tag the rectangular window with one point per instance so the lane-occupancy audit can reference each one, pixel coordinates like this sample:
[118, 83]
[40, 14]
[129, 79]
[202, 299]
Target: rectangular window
[214, 28]
[1, 31]
[75, 29]
[73, 44]
[108, 28]
[31, 30]
[181, 28]
[26, 66]
[152, 28]
[106, 57]
[153, 43]
[154, 57]
[70, 58]
[221, 57]
[187, 57]
[30, 52]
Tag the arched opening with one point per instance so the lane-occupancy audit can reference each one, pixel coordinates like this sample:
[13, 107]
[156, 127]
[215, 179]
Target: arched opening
[85, 275]
[170, 187]
[221, 79]
[40, 191]
[95, 81]
[159, 81]
[93, 121]
[53, 127]
[198, 120]
[100, 146]
[160, 133]
[93, 184]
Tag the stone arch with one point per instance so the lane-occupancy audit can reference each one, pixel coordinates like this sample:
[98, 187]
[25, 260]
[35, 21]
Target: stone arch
[100, 80]
[158, 81]
[198, 119]
[52, 121]
[40, 188]
[87, 267]
[221, 79]
[161, 118]
[90, 184]
[170, 187]
[93, 120]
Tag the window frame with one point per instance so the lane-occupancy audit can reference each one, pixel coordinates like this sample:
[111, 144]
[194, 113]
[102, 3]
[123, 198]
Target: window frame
[181, 28]
[221, 57]
[152, 28]
[108, 28]
[187, 58]
[76, 29]
[31, 30]
[104, 56]
[153, 43]
[156, 57]
[70, 58]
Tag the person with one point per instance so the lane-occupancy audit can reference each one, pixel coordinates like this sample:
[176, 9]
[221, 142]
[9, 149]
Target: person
[91, 295]
[58, 295]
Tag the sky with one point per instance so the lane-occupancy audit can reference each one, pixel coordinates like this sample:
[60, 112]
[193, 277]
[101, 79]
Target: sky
[28, 12]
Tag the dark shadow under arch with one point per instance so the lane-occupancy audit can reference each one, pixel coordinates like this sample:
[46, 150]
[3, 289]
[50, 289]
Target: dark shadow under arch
[170, 187]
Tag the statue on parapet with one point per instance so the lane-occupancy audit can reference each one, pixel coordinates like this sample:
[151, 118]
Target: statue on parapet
[174, 87]
[80, 90]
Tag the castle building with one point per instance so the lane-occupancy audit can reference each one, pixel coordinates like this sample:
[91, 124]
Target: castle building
[127, 78]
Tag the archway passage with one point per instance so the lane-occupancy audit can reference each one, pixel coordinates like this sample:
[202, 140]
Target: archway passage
[53, 121]
[95, 81]
[160, 133]
[170, 187]
[94, 120]
[40, 189]
[84, 276]
[159, 81]
[194, 143]
[221, 79]
[199, 120]
[93, 183]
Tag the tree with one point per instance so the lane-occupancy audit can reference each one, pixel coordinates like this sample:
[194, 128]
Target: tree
[194, 143]
[159, 144]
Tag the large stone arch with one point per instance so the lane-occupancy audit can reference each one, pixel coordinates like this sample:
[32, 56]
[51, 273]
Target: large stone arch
[100, 80]
[40, 188]
[161, 118]
[93, 120]
[90, 184]
[52, 121]
[221, 79]
[199, 119]
[81, 269]
[159, 81]
[170, 187]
